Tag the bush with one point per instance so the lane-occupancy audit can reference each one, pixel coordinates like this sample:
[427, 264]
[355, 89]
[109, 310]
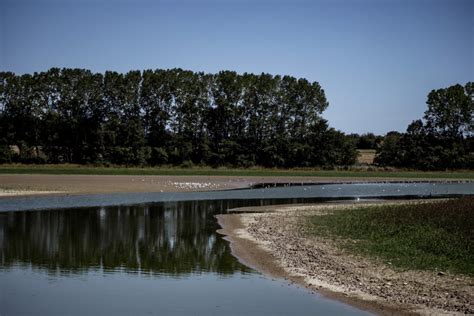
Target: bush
[143, 155]
[187, 164]
[5, 154]
[158, 156]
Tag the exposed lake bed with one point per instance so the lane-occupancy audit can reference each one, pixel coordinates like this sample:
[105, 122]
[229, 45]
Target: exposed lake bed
[12, 185]
[276, 241]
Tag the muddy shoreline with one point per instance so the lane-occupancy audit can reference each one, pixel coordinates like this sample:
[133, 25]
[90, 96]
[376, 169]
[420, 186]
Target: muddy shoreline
[12, 185]
[273, 242]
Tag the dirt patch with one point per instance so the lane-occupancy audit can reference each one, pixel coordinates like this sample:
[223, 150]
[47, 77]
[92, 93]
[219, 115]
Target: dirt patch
[278, 245]
[11, 185]
[96, 184]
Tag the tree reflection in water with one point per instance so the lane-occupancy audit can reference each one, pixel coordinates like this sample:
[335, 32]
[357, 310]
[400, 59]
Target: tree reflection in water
[176, 239]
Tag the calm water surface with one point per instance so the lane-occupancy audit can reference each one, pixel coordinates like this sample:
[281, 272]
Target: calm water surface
[331, 191]
[161, 258]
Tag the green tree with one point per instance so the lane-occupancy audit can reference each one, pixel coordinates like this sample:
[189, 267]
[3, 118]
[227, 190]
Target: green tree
[167, 116]
[389, 153]
[450, 111]
[443, 141]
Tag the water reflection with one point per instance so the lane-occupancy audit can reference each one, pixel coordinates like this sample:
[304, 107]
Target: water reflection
[161, 258]
[174, 238]
[171, 238]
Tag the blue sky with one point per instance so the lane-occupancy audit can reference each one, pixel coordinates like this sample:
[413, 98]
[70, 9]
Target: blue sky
[376, 60]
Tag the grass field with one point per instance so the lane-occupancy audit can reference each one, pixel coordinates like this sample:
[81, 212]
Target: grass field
[204, 171]
[429, 236]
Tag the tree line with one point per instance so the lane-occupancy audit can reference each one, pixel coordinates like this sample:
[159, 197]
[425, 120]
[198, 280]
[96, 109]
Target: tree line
[180, 117]
[443, 139]
[175, 116]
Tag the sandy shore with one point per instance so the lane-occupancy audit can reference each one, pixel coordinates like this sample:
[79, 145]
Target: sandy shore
[274, 241]
[19, 184]
[39, 184]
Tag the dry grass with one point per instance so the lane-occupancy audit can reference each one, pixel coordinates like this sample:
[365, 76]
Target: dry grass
[365, 156]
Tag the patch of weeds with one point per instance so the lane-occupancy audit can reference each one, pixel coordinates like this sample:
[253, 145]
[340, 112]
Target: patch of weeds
[427, 236]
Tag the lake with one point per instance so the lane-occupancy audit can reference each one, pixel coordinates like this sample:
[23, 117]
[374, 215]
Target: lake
[154, 253]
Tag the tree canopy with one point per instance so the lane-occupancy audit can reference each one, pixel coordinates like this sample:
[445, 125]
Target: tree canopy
[444, 139]
[171, 116]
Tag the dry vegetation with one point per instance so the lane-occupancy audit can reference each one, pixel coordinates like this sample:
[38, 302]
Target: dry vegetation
[365, 156]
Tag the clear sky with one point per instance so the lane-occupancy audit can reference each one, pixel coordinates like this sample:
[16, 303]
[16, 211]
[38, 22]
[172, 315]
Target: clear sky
[376, 60]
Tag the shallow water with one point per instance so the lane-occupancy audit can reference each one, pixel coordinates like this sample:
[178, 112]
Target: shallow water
[330, 191]
[161, 258]
[155, 253]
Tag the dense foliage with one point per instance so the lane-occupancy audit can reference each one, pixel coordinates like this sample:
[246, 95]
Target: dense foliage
[366, 141]
[444, 139]
[167, 117]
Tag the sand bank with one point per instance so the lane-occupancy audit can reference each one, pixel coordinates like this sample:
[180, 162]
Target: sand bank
[19, 184]
[274, 241]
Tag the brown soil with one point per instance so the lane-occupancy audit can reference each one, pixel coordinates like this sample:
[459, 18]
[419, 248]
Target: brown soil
[34, 184]
[90, 184]
[277, 244]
